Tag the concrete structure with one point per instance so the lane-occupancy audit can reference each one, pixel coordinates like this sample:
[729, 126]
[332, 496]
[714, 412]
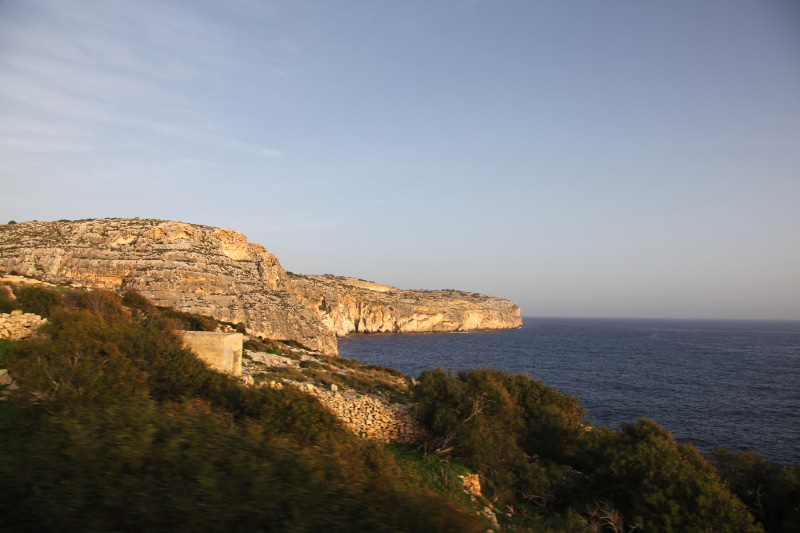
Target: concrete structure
[222, 351]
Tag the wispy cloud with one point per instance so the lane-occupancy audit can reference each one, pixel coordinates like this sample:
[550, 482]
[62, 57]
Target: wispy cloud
[72, 74]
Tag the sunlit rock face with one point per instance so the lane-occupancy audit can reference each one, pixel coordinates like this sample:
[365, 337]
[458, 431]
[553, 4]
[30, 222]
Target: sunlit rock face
[193, 268]
[216, 272]
[348, 305]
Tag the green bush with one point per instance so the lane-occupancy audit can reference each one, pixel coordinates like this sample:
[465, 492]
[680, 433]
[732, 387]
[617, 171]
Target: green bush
[182, 467]
[115, 427]
[268, 346]
[99, 302]
[136, 301]
[664, 485]
[432, 472]
[189, 321]
[534, 451]
[7, 303]
[770, 491]
[38, 299]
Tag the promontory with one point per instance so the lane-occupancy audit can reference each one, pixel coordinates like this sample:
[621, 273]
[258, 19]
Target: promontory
[216, 272]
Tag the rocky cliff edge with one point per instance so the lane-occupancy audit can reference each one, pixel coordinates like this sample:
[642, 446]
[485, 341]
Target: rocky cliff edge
[216, 272]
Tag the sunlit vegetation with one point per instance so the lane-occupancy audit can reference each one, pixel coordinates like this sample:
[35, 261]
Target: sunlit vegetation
[116, 427]
[539, 459]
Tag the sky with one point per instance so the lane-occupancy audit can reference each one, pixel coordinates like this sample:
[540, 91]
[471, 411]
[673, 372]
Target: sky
[582, 158]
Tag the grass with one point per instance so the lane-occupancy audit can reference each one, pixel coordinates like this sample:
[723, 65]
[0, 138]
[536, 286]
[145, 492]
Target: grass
[435, 473]
[271, 347]
[364, 379]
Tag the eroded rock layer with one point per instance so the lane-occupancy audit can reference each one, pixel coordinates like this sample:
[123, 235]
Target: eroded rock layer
[348, 305]
[216, 272]
[193, 268]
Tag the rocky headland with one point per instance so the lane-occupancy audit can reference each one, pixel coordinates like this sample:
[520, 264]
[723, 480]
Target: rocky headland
[216, 272]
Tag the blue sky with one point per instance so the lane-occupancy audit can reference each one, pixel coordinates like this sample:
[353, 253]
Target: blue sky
[583, 158]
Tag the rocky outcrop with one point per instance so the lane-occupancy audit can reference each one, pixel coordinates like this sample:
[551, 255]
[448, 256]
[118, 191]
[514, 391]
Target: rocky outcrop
[193, 268]
[216, 272]
[348, 305]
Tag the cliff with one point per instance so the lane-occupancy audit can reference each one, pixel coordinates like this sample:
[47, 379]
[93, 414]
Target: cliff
[347, 305]
[216, 272]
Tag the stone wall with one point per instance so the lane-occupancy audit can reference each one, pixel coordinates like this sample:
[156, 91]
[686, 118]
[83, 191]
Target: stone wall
[18, 325]
[222, 351]
[370, 417]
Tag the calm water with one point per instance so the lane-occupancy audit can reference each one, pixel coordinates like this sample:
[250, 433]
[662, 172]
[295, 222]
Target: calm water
[735, 383]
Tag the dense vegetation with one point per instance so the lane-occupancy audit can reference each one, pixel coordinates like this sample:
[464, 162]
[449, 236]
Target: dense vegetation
[771, 492]
[554, 473]
[115, 426]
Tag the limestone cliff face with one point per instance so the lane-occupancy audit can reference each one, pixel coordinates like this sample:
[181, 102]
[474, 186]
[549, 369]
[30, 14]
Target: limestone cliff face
[348, 305]
[193, 268]
[216, 272]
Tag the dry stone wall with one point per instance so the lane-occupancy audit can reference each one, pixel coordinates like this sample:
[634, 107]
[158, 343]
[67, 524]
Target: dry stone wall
[17, 325]
[370, 417]
[367, 416]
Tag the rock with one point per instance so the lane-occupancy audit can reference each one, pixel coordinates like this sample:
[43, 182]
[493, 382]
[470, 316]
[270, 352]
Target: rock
[216, 272]
[5, 378]
[199, 269]
[348, 305]
[488, 513]
[472, 484]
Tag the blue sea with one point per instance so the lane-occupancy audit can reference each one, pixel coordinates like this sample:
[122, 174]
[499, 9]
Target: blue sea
[734, 383]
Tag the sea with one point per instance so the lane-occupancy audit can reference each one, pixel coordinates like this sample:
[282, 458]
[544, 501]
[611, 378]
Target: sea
[731, 383]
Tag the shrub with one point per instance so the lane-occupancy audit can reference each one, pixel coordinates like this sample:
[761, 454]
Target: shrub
[310, 364]
[136, 301]
[770, 491]
[38, 299]
[189, 321]
[529, 443]
[7, 303]
[666, 486]
[99, 302]
[432, 471]
[116, 427]
[78, 366]
[262, 345]
[182, 467]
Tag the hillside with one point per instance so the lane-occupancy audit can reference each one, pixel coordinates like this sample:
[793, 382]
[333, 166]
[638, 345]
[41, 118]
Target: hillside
[108, 424]
[216, 272]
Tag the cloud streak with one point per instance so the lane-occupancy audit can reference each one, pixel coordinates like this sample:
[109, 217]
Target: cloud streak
[110, 69]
